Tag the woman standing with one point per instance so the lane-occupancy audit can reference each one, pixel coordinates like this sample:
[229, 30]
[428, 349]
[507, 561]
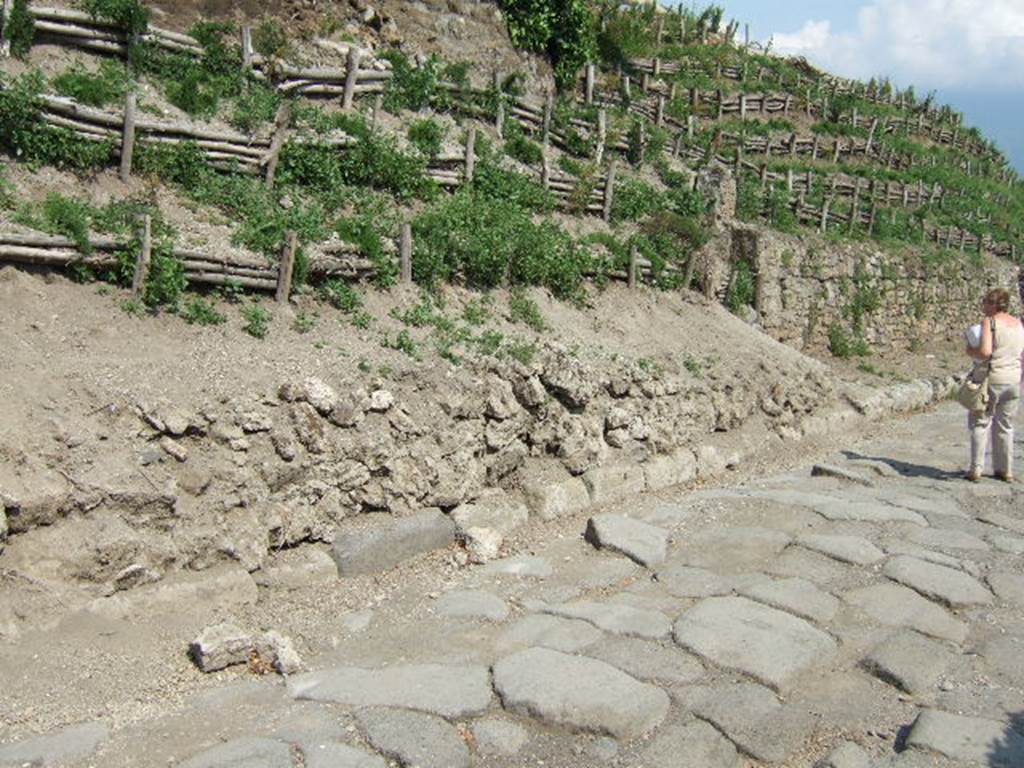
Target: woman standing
[1002, 344]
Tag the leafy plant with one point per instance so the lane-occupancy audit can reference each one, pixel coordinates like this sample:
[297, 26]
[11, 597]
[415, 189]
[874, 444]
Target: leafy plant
[110, 83]
[843, 344]
[427, 135]
[200, 311]
[523, 309]
[257, 320]
[518, 146]
[304, 322]
[21, 28]
[564, 29]
[129, 16]
[742, 288]
[132, 307]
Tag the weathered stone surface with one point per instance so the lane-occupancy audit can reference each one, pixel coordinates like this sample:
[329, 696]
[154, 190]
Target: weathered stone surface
[499, 737]
[246, 752]
[550, 499]
[846, 755]
[739, 634]
[279, 652]
[1014, 545]
[319, 395]
[523, 566]
[578, 693]
[414, 738]
[297, 568]
[972, 739]
[645, 660]
[733, 548]
[947, 538]
[226, 585]
[796, 596]
[901, 547]
[335, 755]
[684, 581]
[472, 604]
[1003, 656]
[678, 468]
[614, 481]
[220, 646]
[845, 549]
[1002, 520]
[500, 512]
[384, 541]
[1008, 587]
[949, 587]
[867, 511]
[449, 691]
[482, 544]
[694, 744]
[909, 661]
[55, 749]
[898, 606]
[615, 618]
[568, 635]
[640, 542]
[831, 470]
[754, 720]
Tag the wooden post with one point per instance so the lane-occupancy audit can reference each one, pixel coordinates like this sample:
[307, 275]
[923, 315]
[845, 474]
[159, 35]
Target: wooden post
[814, 148]
[824, 216]
[281, 121]
[5, 38]
[287, 267]
[691, 126]
[627, 88]
[631, 278]
[746, 36]
[656, 67]
[499, 117]
[835, 151]
[871, 221]
[854, 206]
[378, 106]
[247, 50]
[660, 114]
[145, 254]
[677, 145]
[609, 191]
[739, 162]
[470, 154]
[694, 100]
[661, 29]
[549, 107]
[792, 145]
[405, 252]
[602, 135]
[545, 170]
[789, 180]
[718, 95]
[351, 76]
[128, 137]
[743, 106]
[871, 137]
[589, 87]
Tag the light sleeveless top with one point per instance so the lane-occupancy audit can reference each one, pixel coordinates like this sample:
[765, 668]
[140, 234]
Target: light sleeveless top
[1005, 363]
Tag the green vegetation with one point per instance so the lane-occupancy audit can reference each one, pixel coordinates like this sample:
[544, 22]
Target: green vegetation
[564, 29]
[523, 309]
[109, 84]
[129, 16]
[427, 135]
[20, 29]
[257, 320]
[200, 311]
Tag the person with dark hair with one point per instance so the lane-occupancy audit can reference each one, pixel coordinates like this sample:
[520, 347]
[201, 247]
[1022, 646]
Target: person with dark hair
[999, 357]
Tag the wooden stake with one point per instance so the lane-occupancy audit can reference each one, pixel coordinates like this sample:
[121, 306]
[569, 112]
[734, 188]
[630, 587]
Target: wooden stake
[602, 135]
[549, 105]
[128, 137]
[281, 122]
[632, 268]
[247, 51]
[351, 77]
[287, 266]
[470, 154]
[609, 191]
[660, 114]
[5, 39]
[589, 87]
[142, 263]
[405, 252]
[499, 117]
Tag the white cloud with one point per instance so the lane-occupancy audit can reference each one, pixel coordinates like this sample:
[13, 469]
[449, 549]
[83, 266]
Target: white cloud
[933, 43]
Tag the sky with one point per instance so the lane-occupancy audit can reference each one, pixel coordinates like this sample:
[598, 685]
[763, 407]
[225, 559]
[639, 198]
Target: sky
[970, 52]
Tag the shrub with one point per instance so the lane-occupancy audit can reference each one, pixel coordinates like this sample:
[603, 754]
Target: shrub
[304, 322]
[564, 29]
[635, 199]
[843, 344]
[742, 288]
[200, 311]
[257, 320]
[523, 309]
[21, 29]
[97, 89]
[427, 135]
[410, 87]
[519, 147]
[130, 16]
[492, 181]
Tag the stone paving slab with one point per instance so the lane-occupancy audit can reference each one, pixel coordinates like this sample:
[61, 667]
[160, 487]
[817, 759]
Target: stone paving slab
[846, 755]
[732, 549]
[648, 661]
[947, 538]
[449, 691]
[495, 736]
[796, 596]
[868, 512]
[616, 618]
[472, 604]
[1013, 545]
[897, 606]
[735, 633]
[579, 693]
[554, 632]
[1004, 521]
[685, 581]
[414, 738]
[846, 549]
[970, 739]
[53, 749]
[805, 564]
[523, 566]
[930, 556]
[641, 542]
[1004, 656]
[388, 541]
[697, 743]
[909, 661]
[336, 755]
[1008, 587]
[945, 585]
[755, 721]
[246, 752]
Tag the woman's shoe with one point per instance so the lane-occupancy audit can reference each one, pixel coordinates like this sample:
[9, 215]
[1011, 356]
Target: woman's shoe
[1006, 477]
[972, 476]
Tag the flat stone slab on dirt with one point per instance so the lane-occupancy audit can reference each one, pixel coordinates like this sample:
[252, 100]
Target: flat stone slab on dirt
[685, 581]
[947, 538]
[336, 755]
[1002, 520]
[733, 548]
[414, 738]
[578, 692]
[974, 739]
[897, 606]
[616, 618]
[754, 720]
[1008, 587]
[868, 512]
[246, 752]
[643, 543]
[387, 541]
[58, 748]
[738, 634]
[846, 549]
[909, 661]
[945, 585]
[523, 566]
[839, 473]
[796, 596]
[649, 661]
[555, 632]
[499, 737]
[901, 547]
[846, 755]
[472, 604]
[696, 743]
[449, 691]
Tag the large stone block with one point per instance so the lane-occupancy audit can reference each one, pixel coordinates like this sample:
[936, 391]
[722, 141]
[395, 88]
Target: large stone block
[383, 542]
[549, 499]
[676, 468]
[614, 481]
